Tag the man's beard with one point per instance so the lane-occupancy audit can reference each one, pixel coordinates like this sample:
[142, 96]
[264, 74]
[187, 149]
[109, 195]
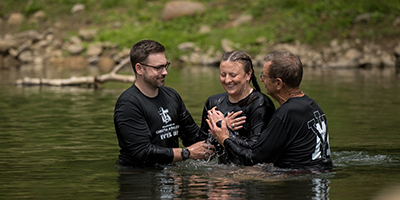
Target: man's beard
[153, 81]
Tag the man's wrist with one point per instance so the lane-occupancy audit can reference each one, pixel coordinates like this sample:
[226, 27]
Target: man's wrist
[223, 140]
[226, 141]
[185, 154]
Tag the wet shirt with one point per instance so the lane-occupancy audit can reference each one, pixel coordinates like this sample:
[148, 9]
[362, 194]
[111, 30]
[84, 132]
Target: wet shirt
[296, 138]
[258, 109]
[148, 128]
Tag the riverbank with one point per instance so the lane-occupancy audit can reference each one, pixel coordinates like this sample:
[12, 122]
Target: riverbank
[98, 36]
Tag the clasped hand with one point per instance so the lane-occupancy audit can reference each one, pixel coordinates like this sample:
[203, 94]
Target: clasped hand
[232, 120]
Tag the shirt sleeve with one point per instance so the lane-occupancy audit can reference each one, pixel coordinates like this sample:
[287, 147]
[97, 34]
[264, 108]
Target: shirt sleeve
[267, 148]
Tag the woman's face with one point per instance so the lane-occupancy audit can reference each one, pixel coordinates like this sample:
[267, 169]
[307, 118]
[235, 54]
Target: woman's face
[234, 80]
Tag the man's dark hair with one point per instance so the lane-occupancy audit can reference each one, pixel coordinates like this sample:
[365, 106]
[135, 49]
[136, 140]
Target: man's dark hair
[141, 51]
[286, 66]
[240, 56]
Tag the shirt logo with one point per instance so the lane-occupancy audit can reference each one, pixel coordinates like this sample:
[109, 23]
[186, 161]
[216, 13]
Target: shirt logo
[164, 115]
[318, 126]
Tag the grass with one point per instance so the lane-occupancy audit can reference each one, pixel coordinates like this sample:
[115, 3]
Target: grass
[312, 22]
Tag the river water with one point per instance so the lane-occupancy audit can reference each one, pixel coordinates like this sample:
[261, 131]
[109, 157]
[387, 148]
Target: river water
[59, 142]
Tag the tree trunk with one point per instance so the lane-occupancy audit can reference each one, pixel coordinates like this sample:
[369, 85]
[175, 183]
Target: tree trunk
[84, 80]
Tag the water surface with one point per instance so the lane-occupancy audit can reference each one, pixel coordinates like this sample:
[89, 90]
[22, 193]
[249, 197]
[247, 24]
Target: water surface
[59, 142]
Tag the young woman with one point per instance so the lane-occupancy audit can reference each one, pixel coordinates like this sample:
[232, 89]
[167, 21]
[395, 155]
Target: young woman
[236, 72]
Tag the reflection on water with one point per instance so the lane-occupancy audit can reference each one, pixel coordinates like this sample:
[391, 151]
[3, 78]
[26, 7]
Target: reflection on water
[60, 142]
[200, 179]
[212, 181]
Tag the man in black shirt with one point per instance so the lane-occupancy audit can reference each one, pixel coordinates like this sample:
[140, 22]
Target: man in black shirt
[297, 134]
[149, 118]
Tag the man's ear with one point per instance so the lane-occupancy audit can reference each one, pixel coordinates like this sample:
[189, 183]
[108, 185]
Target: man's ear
[139, 68]
[279, 83]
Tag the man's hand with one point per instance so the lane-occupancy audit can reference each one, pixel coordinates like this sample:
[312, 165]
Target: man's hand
[220, 134]
[201, 150]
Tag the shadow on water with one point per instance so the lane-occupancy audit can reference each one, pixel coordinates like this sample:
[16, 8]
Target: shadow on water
[60, 142]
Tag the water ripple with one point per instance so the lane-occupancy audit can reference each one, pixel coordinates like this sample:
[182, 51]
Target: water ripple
[362, 158]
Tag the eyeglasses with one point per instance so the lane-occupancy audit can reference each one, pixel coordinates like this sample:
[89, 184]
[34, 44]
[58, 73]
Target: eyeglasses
[262, 77]
[158, 68]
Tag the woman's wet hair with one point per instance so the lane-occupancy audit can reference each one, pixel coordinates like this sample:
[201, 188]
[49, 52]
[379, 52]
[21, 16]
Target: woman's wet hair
[240, 56]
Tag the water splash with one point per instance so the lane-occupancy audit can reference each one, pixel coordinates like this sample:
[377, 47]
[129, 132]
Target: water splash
[209, 149]
[362, 158]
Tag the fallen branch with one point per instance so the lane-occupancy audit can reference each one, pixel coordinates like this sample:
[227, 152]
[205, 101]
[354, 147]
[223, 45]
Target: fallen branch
[397, 63]
[77, 81]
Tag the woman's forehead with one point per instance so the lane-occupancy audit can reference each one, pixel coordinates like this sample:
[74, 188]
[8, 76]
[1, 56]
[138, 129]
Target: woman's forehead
[231, 66]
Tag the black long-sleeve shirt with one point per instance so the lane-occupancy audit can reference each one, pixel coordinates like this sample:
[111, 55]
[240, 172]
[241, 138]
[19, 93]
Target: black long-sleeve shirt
[296, 137]
[148, 128]
[258, 109]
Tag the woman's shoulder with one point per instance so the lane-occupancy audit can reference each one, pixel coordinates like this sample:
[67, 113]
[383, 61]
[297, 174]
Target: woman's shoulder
[219, 96]
[262, 99]
[261, 96]
[216, 99]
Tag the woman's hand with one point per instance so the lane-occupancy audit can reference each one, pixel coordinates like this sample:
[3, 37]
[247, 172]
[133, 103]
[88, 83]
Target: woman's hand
[216, 114]
[235, 123]
[232, 121]
[220, 131]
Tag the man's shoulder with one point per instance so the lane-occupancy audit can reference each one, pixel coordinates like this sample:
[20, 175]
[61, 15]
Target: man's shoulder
[129, 93]
[131, 96]
[298, 106]
[168, 89]
[302, 103]
[168, 92]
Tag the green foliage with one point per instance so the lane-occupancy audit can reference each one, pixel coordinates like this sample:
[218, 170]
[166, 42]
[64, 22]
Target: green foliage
[106, 4]
[31, 8]
[307, 21]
